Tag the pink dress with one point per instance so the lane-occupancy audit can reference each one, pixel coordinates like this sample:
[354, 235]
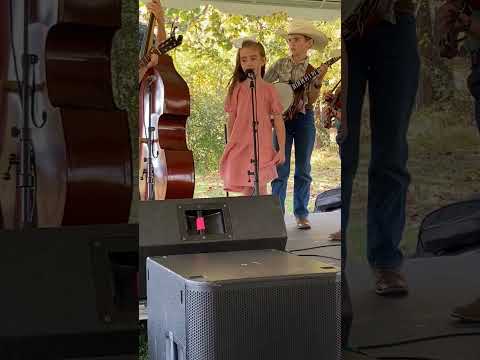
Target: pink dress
[235, 162]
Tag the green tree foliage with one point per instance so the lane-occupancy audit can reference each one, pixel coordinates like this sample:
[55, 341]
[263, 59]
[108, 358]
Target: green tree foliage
[206, 60]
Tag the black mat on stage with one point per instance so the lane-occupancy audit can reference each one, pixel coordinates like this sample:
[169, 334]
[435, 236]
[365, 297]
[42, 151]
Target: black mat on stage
[437, 285]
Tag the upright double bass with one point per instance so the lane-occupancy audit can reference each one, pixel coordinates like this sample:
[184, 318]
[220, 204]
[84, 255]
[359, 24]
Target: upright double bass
[166, 168]
[80, 146]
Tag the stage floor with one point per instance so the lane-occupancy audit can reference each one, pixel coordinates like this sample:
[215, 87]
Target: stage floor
[437, 285]
[421, 320]
[323, 224]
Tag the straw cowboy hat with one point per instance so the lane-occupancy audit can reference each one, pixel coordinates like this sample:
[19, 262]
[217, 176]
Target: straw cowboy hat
[306, 28]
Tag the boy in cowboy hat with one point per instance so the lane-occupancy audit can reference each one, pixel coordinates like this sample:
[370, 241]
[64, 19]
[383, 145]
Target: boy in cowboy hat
[301, 36]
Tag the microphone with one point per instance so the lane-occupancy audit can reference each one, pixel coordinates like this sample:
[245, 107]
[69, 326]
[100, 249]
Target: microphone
[250, 73]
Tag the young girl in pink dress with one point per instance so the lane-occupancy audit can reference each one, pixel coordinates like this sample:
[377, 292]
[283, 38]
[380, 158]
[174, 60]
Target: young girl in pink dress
[236, 160]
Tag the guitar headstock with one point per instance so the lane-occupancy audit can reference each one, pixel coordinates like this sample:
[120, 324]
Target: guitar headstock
[332, 61]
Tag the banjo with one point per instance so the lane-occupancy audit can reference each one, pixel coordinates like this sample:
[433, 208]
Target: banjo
[291, 93]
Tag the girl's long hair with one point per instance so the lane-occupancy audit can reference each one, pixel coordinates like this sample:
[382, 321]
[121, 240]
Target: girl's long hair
[238, 74]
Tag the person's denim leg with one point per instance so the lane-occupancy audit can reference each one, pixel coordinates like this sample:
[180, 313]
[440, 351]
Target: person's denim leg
[349, 151]
[279, 185]
[304, 140]
[393, 81]
[356, 71]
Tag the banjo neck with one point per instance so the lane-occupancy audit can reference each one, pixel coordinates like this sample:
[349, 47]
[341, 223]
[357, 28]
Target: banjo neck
[308, 77]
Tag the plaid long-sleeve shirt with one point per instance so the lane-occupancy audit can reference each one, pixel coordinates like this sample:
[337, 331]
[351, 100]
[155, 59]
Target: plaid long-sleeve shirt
[285, 70]
[387, 12]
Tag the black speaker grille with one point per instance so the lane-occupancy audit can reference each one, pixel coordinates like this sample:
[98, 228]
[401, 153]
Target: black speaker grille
[338, 299]
[297, 320]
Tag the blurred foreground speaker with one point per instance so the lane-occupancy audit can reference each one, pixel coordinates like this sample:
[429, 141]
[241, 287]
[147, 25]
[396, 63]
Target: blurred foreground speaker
[69, 293]
[255, 305]
[191, 226]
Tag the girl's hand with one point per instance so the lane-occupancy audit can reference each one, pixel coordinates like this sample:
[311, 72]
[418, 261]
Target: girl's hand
[279, 158]
[156, 8]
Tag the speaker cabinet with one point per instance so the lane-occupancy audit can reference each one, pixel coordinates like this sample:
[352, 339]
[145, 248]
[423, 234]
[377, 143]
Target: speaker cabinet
[256, 305]
[189, 226]
[69, 292]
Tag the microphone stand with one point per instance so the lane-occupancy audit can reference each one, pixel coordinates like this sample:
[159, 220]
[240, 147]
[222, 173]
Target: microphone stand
[25, 177]
[226, 142]
[256, 156]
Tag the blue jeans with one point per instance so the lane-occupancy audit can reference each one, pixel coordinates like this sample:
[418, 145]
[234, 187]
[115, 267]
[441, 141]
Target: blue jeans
[300, 131]
[474, 87]
[388, 60]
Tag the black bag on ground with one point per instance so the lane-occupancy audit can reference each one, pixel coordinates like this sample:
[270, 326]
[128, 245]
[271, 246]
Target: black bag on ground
[329, 200]
[450, 230]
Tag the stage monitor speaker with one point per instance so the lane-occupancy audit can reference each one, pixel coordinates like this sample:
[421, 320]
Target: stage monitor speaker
[255, 305]
[69, 292]
[190, 226]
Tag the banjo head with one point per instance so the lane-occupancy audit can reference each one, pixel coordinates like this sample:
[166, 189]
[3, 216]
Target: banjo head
[285, 94]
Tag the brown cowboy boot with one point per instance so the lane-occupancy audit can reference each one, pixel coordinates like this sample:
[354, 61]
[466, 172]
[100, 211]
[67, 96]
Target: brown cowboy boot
[469, 313]
[303, 224]
[390, 282]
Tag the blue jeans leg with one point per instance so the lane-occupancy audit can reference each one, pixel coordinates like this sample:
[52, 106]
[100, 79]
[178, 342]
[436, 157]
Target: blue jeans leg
[388, 60]
[349, 151]
[279, 185]
[393, 82]
[304, 142]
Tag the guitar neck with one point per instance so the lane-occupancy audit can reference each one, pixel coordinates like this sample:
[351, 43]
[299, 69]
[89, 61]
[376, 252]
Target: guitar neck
[307, 78]
[145, 60]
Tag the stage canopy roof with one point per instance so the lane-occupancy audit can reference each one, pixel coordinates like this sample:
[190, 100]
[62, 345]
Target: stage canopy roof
[318, 10]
